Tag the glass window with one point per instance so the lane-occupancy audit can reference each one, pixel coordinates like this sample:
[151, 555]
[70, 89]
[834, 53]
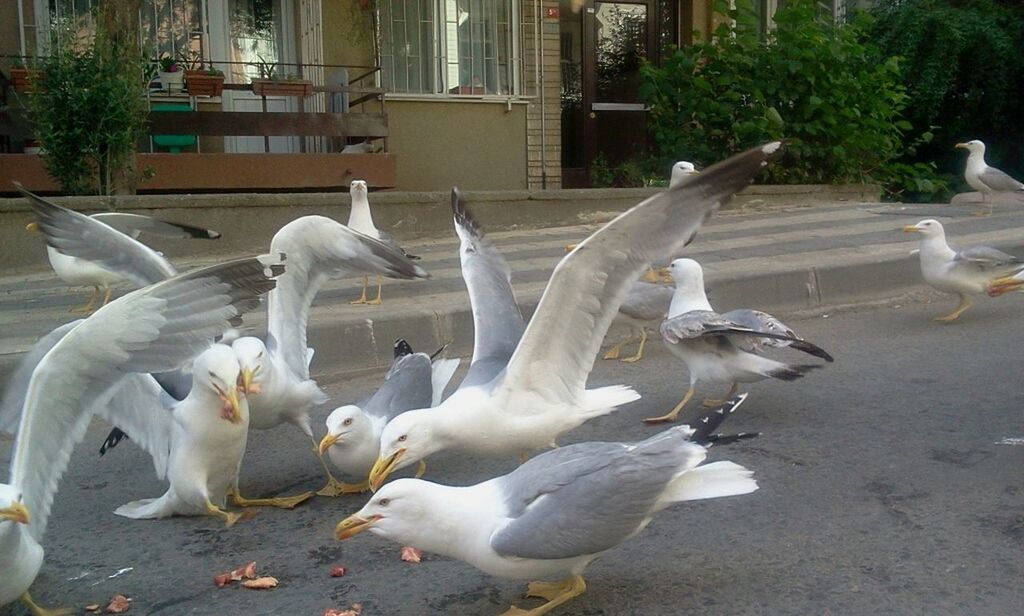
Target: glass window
[448, 46]
[255, 38]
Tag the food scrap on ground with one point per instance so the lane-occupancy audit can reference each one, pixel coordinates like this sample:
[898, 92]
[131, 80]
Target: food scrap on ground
[92, 607]
[355, 610]
[338, 571]
[411, 554]
[261, 583]
[245, 572]
[119, 604]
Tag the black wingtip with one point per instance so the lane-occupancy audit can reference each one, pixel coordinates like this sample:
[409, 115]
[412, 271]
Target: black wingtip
[198, 233]
[113, 438]
[792, 373]
[463, 217]
[706, 425]
[434, 355]
[402, 348]
[812, 349]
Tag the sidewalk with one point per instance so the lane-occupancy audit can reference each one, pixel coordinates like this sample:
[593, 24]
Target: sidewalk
[779, 260]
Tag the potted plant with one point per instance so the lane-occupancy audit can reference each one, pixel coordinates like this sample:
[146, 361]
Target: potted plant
[21, 75]
[204, 81]
[270, 84]
[171, 76]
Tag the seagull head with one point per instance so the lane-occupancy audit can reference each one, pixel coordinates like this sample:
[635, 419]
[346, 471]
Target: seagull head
[345, 423]
[358, 187]
[680, 171]
[400, 511]
[216, 370]
[252, 356]
[408, 438]
[974, 146]
[688, 275]
[927, 228]
[11, 507]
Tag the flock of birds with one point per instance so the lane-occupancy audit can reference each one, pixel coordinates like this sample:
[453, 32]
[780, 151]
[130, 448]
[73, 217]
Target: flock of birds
[167, 366]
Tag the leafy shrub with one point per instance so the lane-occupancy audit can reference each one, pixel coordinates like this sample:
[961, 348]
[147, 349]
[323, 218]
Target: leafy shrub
[89, 109]
[963, 67]
[815, 83]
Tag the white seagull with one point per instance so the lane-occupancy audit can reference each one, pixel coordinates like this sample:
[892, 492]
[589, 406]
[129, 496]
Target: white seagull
[985, 179]
[527, 402]
[152, 329]
[361, 219]
[556, 513]
[352, 441]
[680, 171]
[971, 271]
[724, 347]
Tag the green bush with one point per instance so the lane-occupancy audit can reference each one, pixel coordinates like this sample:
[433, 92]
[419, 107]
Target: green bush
[963, 67]
[89, 110]
[815, 83]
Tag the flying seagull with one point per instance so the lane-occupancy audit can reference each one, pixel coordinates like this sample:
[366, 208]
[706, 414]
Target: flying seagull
[971, 271]
[985, 179]
[156, 328]
[361, 219]
[726, 347]
[555, 514]
[525, 403]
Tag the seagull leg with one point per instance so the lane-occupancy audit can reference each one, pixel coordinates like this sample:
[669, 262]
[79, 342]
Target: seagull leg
[106, 298]
[229, 517]
[556, 593]
[362, 298]
[338, 488]
[964, 304]
[380, 284]
[281, 502]
[671, 415]
[640, 349]
[710, 403]
[613, 353]
[87, 308]
[40, 611]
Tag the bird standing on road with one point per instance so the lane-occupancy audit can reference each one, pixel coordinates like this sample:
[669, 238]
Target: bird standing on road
[556, 513]
[985, 179]
[515, 406]
[971, 271]
[724, 347]
[361, 219]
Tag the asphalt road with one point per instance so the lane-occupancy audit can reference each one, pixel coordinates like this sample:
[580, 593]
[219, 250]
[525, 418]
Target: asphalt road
[884, 490]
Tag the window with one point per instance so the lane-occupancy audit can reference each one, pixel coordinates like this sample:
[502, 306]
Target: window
[455, 47]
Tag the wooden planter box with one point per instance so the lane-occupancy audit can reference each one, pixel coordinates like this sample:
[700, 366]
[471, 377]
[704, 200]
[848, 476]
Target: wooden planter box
[20, 78]
[204, 84]
[269, 87]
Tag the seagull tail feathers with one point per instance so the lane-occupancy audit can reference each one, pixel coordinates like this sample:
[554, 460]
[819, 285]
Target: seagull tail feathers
[787, 372]
[604, 400]
[710, 481]
[149, 508]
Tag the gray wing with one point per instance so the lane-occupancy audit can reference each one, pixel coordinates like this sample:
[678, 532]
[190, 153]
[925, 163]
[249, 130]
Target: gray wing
[705, 323]
[17, 385]
[646, 301]
[136, 224]
[152, 329]
[497, 321]
[764, 322]
[999, 181]
[319, 249]
[560, 345]
[589, 497]
[407, 386]
[78, 235]
[986, 257]
[143, 411]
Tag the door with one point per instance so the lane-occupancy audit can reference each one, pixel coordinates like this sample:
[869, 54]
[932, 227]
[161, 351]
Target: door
[602, 116]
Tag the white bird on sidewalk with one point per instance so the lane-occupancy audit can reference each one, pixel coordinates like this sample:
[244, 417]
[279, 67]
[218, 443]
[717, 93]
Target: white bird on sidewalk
[971, 271]
[556, 513]
[985, 179]
[361, 219]
[524, 403]
[155, 328]
[352, 442]
[724, 347]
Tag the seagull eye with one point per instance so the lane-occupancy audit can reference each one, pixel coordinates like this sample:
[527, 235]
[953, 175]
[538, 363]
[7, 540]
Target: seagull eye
[347, 422]
[402, 438]
[384, 502]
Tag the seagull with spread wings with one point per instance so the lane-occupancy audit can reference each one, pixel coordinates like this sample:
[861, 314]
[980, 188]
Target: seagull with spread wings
[156, 328]
[523, 403]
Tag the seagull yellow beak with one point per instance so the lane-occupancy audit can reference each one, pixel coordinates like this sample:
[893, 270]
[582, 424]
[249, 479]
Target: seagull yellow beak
[32, 227]
[16, 513]
[911, 229]
[384, 467]
[247, 385]
[326, 442]
[231, 410]
[961, 146]
[352, 526]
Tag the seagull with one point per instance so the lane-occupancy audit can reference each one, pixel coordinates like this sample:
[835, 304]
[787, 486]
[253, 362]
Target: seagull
[556, 513]
[526, 402]
[275, 372]
[646, 303]
[78, 272]
[353, 431]
[681, 171]
[724, 347]
[983, 178]
[156, 328]
[972, 271]
[361, 219]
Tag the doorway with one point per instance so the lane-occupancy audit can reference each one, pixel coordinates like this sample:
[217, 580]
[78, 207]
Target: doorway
[603, 46]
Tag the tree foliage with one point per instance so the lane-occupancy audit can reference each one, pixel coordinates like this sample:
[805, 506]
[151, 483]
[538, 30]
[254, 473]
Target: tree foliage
[963, 66]
[816, 83]
[88, 107]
